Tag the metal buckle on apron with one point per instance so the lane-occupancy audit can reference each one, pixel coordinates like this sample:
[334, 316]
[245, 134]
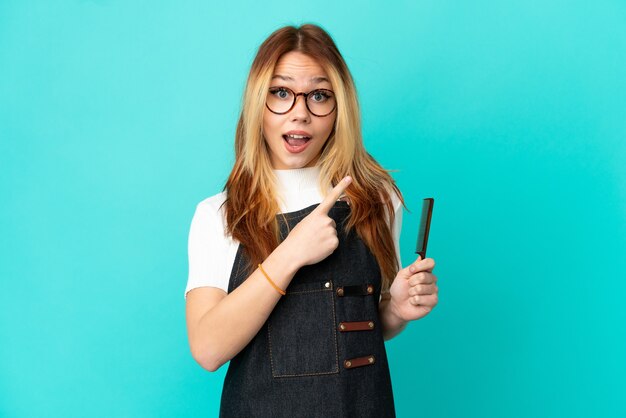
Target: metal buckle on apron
[356, 326]
[355, 290]
[359, 361]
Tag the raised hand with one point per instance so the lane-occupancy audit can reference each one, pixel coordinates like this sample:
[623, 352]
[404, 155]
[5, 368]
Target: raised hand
[414, 292]
[315, 237]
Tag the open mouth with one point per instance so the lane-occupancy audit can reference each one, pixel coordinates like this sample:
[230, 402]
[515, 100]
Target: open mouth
[296, 140]
[296, 143]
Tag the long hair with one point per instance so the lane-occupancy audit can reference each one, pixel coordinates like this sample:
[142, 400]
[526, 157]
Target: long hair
[251, 204]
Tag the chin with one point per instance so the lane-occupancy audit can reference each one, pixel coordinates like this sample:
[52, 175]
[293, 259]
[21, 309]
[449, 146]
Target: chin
[295, 164]
[292, 163]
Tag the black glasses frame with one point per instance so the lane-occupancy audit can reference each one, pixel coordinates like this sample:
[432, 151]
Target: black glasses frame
[306, 103]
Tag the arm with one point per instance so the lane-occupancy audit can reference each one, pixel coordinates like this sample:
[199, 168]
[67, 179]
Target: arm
[391, 323]
[220, 325]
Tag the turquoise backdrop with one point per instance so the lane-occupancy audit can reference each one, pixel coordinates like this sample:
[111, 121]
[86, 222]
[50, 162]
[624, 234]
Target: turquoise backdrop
[117, 118]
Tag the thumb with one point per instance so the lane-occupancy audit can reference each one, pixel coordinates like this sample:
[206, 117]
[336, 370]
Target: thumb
[413, 266]
[334, 194]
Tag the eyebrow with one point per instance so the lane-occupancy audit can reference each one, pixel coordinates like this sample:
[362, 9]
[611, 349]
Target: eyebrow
[315, 80]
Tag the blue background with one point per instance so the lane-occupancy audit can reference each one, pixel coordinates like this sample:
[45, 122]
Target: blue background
[118, 117]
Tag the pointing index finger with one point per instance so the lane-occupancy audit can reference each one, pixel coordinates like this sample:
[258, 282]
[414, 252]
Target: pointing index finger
[334, 194]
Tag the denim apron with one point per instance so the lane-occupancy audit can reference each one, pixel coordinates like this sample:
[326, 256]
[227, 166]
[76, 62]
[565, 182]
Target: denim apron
[321, 351]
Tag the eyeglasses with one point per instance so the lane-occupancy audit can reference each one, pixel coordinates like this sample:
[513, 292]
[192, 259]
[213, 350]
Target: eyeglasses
[320, 102]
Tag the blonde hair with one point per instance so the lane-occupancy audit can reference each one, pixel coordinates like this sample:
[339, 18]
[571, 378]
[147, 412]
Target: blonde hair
[251, 204]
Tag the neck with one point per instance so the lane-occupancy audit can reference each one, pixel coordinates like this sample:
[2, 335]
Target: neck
[297, 188]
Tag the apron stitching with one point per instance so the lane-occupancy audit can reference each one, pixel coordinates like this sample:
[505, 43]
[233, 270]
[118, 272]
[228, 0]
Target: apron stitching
[335, 333]
[269, 340]
[302, 374]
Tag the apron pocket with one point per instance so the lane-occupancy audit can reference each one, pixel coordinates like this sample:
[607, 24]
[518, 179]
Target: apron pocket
[301, 332]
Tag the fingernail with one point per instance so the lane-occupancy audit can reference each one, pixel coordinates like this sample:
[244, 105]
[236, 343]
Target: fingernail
[412, 269]
[348, 179]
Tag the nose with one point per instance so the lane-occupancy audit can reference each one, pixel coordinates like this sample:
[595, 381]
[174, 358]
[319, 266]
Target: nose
[300, 111]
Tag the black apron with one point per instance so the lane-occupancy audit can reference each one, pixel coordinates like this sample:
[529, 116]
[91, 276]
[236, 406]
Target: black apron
[321, 351]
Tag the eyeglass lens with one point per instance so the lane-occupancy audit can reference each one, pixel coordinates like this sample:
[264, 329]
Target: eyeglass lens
[319, 102]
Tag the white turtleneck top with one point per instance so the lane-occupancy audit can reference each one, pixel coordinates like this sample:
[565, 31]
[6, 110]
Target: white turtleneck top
[212, 252]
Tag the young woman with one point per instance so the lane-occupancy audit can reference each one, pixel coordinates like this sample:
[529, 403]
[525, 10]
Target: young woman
[294, 268]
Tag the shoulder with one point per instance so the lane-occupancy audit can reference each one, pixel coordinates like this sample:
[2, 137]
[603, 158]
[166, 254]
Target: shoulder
[211, 208]
[209, 221]
[212, 203]
[393, 195]
[395, 199]
[211, 250]
[397, 207]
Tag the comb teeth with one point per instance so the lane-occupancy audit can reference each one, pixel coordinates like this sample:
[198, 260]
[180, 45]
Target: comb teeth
[424, 228]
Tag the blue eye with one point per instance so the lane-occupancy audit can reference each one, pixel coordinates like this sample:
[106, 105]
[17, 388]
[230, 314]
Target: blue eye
[280, 93]
[320, 96]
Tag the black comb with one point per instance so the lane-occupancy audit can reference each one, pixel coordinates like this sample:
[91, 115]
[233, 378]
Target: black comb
[422, 236]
